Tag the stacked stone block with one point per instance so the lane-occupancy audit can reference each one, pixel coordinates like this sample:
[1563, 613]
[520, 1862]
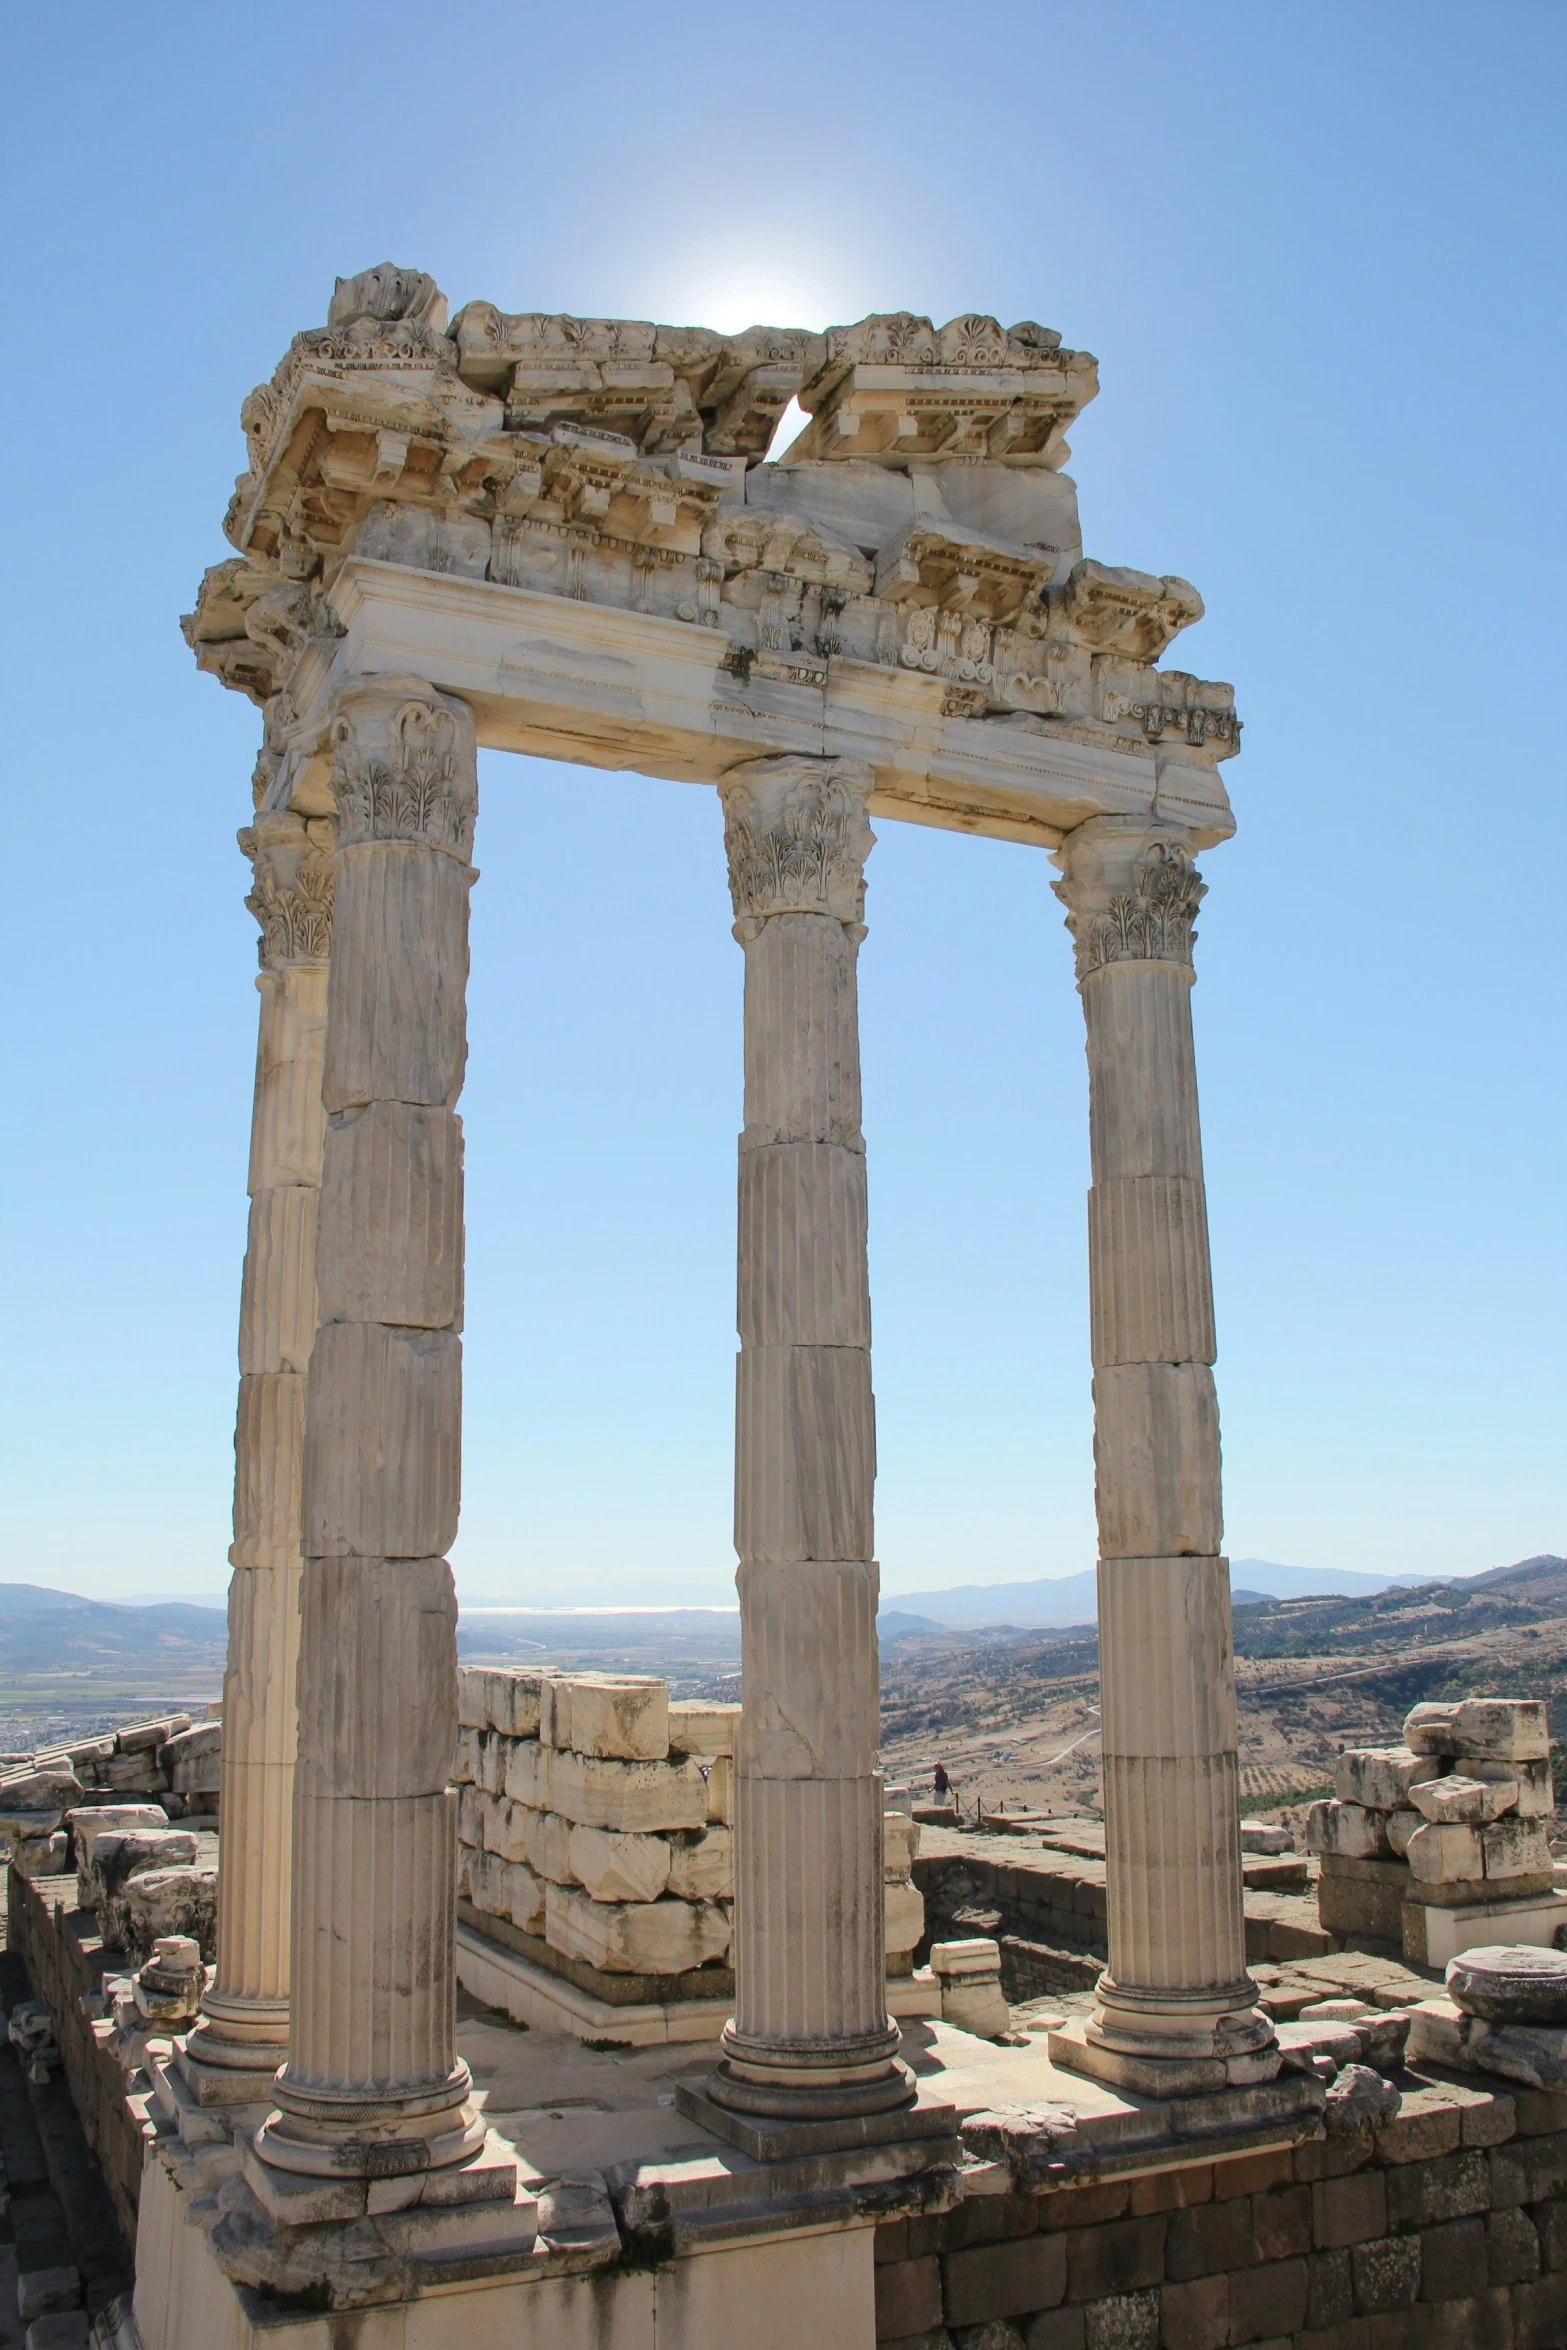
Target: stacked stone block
[1453, 1819]
[596, 1820]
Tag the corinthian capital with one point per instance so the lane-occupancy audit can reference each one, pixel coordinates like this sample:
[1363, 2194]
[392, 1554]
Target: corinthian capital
[291, 891]
[1130, 890]
[404, 765]
[797, 838]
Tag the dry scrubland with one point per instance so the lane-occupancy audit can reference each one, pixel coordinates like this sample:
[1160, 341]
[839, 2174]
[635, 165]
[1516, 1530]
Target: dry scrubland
[1014, 1715]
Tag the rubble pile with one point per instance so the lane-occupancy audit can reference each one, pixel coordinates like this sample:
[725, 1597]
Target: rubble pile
[108, 1808]
[1453, 1820]
[595, 1821]
[172, 1762]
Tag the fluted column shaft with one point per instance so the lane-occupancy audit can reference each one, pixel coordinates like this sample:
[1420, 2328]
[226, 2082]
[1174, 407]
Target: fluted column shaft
[373, 2084]
[1176, 2008]
[243, 2032]
[810, 2035]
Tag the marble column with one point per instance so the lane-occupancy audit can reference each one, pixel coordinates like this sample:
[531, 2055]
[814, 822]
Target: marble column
[242, 2035]
[373, 2086]
[1176, 2010]
[810, 2037]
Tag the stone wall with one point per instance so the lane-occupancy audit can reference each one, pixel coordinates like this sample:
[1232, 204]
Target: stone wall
[66, 1962]
[595, 1826]
[1446, 2229]
[1045, 1907]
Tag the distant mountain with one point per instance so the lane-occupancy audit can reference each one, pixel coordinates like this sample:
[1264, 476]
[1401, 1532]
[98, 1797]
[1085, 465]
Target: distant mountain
[1073, 1599]
[45, 1631]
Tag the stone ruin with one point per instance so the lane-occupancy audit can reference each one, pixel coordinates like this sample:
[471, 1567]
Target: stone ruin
[596, 1847]
[1442, 1842]
[566, 537]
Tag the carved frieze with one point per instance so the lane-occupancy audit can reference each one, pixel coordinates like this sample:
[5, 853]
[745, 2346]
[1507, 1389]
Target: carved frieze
[897, 388]
[797, 837]
[621, 463]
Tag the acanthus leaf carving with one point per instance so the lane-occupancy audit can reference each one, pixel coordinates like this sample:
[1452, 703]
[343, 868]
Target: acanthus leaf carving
[292, 888]
[1121, 908]
[797, 837]
[404, 771]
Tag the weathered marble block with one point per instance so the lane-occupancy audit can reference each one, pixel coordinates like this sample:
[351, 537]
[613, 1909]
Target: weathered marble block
[193, 1759]
[903, 1918]
[1263, 1837]
[698, 1728]
[1160, 1423]
[611, 1716]
[1455, 1799]
[721, 1792]
[613, 1867]
[1501, 1729]
[1447, 1855]
[382, 1453]
[525, 1771]
[900, 1837]
[702, 1865]
[1516, 1848]
[165, 1901]
[1350, 1830]
[503, 1827]
[549, 1846]
[506, 1889]
[52, 1787]
[493, 1697]
[639, 1797]
[1380, 1777]
[492, 1764]
[640, 1937]
[391, 1229]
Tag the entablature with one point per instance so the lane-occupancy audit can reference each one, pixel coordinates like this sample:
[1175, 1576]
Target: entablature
[916, 549]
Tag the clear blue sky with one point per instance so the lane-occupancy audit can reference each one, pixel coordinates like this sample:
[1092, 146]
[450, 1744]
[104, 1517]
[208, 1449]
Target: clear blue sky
[1319, 253]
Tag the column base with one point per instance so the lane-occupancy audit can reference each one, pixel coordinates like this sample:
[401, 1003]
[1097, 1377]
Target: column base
[812, 2080]
[315, 2134]
[1159, 2045]
[922, 2120]
[234, 2049]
